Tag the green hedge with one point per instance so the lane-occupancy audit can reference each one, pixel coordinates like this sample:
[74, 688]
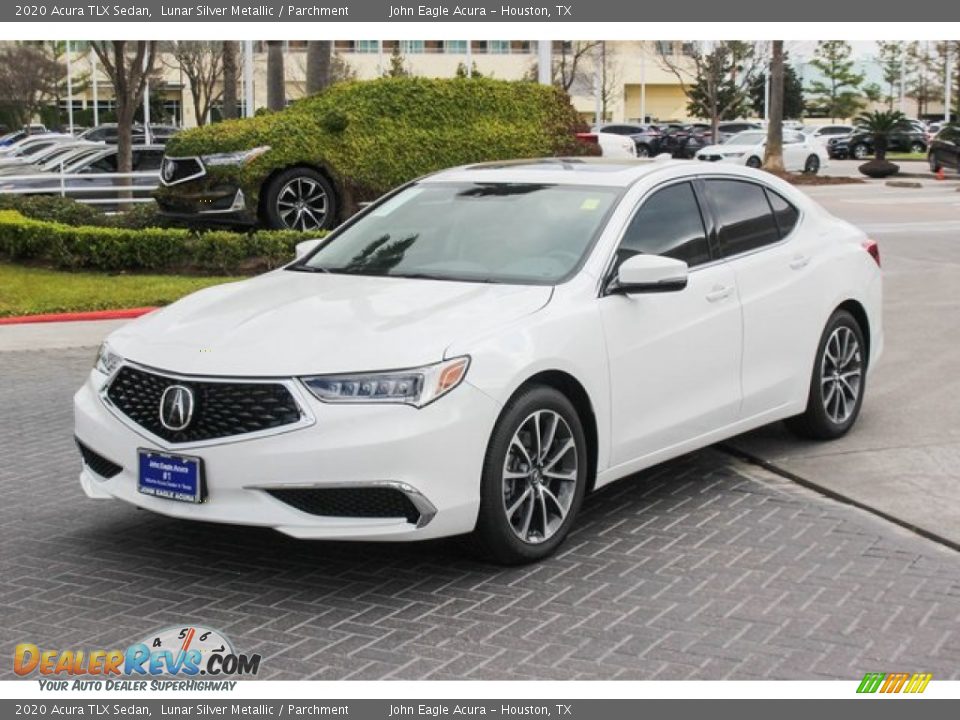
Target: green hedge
[151, 249]
[370, 136]
[70, 212]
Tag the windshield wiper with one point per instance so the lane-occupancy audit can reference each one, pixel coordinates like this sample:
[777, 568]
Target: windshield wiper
[437, 276]
[308, 268]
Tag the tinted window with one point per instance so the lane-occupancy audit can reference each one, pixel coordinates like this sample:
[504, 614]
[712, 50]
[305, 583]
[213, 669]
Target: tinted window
[146, 160]
[106, 164]
[743, 216]
[668, 223]
[785, 214]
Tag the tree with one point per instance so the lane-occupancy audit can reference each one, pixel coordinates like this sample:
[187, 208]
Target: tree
[461, 71]
[716, 78]
[569, 64]
[57, 51]
[793, 104]
[398, 63]
[881, 124]
[892, 58]
[923, 77]
[201, 62]
[128, 65]
[28, 76]
[837, 91]
[873, 93]
[276, 79]
[318, 65]
[228, 58]
[948, 54]
[605, 76]
[773, 151]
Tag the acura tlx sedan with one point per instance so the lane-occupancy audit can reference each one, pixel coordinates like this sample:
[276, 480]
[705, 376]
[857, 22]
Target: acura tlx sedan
[480, 348]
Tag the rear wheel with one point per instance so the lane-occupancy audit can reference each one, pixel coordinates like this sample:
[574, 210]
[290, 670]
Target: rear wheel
[934, 165]
[300, 199]
[860, 151]
[754, 162]
[812, 166]
[534, 478]
[917, 147]
[837, 383]
[643, 151]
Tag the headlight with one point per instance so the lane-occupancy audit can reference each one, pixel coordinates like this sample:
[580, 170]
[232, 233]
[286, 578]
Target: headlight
[241, 157]
[107, 361]
[416, 386]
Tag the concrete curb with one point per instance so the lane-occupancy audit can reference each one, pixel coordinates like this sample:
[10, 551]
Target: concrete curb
[77, 316]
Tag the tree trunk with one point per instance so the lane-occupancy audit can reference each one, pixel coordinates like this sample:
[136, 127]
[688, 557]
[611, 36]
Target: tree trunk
[318, 65]
[773, 154]
[229, 110]
[276, 80]
[880, 147]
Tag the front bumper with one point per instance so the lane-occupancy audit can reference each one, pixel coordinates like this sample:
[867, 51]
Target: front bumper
[207, 203]
[434, 454]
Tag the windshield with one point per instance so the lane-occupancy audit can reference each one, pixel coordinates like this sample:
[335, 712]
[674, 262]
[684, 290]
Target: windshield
[750, 137]
[480, 232]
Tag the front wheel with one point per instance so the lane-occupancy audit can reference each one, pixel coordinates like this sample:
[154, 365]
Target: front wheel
[837, 383]
[299, 199]
[754, 162]
[643, 151]
[860, 151]
[534, 478]
[917, 148]
[812, 166]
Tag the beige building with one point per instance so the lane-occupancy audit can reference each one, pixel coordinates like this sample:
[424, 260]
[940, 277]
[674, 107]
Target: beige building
[633, 81]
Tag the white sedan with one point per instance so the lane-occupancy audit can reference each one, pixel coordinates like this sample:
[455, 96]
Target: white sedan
[801, 153]
[477, 350]
[611, 145]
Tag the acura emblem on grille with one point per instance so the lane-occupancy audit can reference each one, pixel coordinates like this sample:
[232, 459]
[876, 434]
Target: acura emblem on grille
[176, 407]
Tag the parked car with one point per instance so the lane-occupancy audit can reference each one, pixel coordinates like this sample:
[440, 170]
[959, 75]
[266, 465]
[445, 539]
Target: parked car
[645, 136]
[945, 149]
[60, 156]
[31, 144]
[96, 183]
[701, 135]
[480, 348]
[825, 132]
[39, 153]
[108, 132]
[859, 144]
[611, 145]
[800, 152]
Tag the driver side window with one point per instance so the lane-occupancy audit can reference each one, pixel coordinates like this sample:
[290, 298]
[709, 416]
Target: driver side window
[669, 223]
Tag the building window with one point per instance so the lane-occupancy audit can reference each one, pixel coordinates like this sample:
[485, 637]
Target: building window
[689, 49]
[665, 47]
[455, 47]
[411, 47]
[367, 46]
[498, 47]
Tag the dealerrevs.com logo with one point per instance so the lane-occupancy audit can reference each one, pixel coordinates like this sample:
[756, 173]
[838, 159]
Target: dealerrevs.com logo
[184, 651]
[899, 682]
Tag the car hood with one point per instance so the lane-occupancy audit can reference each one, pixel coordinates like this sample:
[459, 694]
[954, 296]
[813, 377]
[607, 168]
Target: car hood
[291, 323]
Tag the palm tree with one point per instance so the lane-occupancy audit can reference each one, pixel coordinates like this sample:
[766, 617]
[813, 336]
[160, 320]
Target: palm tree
[881, 124]
[229, 62]
[276, 79]
[773, 153]
[318, 65]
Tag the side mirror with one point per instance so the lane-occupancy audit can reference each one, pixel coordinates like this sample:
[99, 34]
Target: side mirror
[306, 247]
[649, 274]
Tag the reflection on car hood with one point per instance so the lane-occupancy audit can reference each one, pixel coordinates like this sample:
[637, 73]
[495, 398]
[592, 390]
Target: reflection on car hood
[291, 323]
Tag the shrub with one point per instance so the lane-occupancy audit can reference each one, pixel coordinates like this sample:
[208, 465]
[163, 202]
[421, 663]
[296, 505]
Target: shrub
[370, 136]
[156, 249]
[53, 208]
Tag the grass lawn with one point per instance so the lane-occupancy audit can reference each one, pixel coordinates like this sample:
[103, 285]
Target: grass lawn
[28, 291]
[894, 156]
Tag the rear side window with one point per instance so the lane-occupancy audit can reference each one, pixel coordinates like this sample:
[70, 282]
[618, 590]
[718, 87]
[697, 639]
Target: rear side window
[668, 223]
[784, 213]
[744, 219]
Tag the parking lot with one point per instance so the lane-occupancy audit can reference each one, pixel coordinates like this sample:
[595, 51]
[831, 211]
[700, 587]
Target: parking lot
[705, 568]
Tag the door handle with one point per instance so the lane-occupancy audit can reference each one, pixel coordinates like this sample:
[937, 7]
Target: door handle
[799, 261]
[718, 293]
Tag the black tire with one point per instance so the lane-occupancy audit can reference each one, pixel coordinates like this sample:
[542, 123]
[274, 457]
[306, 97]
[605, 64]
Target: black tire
[859, 151]
[284, 191]
[812, 166]
[818, 421]
[934, 165]
[917, 147]
[495, 538]
[754, 162]
[643, 150]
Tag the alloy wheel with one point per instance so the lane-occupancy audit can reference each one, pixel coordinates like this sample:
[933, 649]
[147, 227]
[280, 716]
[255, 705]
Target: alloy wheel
[841, 375]
[539, 476]
[860, 151]
[302, 204]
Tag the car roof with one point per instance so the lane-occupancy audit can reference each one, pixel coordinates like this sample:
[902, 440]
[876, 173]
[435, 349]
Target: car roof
[595, 171]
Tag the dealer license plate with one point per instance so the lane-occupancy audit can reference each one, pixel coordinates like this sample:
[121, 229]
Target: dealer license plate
[174, 477]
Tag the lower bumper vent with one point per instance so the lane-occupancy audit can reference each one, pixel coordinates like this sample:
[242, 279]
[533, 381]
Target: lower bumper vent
[98, 463]
[359, 502]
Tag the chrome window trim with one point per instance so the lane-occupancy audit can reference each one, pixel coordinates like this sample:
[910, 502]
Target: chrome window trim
[307, 418]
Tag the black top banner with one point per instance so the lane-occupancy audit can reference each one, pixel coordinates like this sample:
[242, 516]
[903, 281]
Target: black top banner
[483, 11]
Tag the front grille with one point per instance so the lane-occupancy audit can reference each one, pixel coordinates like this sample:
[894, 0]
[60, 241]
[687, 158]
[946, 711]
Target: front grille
[98, 463]
[358, 502]
[221, 409]
[176, 170]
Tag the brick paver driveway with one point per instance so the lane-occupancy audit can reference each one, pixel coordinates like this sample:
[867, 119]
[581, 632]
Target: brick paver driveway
[703, 568]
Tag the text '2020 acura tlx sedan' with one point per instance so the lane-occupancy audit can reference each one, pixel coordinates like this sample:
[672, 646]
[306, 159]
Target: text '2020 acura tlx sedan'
[480, 348]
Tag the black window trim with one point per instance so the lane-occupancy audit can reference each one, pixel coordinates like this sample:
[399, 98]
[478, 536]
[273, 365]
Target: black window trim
[763, 248]
[706, 216]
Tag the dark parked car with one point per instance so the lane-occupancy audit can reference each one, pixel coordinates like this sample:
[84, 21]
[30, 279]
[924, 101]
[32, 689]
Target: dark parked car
[859, 144]
[108, 133]
[945, 149]
[683, 141]
[146, 158]
[646, 137]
